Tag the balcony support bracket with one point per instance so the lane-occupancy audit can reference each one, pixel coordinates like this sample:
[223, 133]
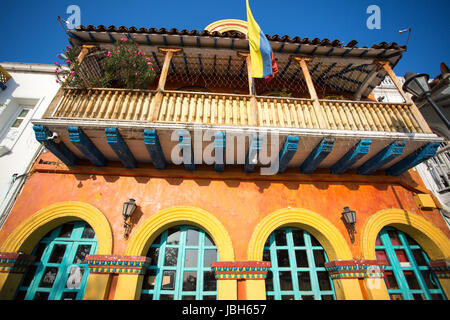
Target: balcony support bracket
[414, 159]
[153, 146]
[383, 157]
[288, 152]
[115, 140]
[185, 143]
[253, 152]
[350, 158]
[86, 146]
[45, 137]
[219, 151]
[320, 152]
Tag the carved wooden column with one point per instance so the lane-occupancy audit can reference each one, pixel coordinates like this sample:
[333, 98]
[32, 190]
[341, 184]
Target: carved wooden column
[415, 111]
[312, 91]
[251, 88]
[156, 101]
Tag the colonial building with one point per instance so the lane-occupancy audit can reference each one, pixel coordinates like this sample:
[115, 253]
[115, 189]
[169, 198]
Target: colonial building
[297, 188]
[27, 92]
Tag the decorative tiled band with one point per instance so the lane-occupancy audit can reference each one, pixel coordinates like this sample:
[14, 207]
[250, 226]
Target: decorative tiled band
[441, 268]
[231, 270]
[15, 262]
[117, 264]
[354, 269]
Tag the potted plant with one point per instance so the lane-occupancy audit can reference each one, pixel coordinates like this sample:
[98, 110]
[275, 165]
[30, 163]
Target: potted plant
[125, 66]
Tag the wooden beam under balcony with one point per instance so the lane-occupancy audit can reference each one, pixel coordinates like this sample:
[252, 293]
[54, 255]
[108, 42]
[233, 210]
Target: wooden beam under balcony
[187, 151]
[353, 155]
[86, 146]
[59, 149]
[418, 156]
[219, 151]
[320, 152]
[287, 153]
[253, 152]
[153, 146]
[116, 142]
[382, 158]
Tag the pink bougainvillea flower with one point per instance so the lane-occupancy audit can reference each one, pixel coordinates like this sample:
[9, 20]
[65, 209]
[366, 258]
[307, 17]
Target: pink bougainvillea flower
[135, 53]
[109, 54]
[118, 51]
[68, 61]
[123, 39]
[55, 62]
[72, 72]
[140, 52]
[147, 58]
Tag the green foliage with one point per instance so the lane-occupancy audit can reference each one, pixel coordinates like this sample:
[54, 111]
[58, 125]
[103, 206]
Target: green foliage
[67, 72]
[124, 66]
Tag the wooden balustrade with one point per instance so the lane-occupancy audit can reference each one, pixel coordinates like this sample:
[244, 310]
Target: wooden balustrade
[231, 109]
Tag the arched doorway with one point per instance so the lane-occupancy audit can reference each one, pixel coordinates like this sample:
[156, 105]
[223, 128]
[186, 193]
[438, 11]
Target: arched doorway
[180, 267]
[60, 271]
[408, 275]
[297, 267]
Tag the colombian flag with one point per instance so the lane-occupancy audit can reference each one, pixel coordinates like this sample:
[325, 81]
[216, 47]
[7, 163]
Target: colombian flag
[263, 61]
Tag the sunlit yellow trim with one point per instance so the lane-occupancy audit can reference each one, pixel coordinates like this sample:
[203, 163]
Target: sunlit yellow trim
[228, 25]
[27, 235]
[432, 240]
[129, 286]
[429, 237]
[322, 229]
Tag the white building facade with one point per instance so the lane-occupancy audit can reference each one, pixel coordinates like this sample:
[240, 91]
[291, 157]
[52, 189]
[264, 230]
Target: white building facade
[435, 172]
[25, 96]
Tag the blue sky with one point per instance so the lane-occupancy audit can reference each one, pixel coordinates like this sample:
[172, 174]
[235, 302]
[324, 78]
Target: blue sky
[31, 33]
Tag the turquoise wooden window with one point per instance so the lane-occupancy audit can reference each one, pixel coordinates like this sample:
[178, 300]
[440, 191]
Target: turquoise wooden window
[60, 271]
[408, 276]
[180, 267]
[297, 270]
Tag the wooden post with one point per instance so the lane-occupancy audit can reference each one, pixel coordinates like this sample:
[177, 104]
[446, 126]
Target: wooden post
[312, 91]
[415, 111]
[367, 81]
[251, 88]
[157, 99]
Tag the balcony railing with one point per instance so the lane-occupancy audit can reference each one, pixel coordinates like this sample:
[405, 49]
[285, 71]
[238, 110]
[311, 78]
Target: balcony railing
[232, 109]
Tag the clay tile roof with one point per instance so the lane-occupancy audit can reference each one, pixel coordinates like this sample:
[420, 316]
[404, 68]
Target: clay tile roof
[237, 35]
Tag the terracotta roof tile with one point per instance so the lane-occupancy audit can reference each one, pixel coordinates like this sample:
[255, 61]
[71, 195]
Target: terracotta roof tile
[237, 35]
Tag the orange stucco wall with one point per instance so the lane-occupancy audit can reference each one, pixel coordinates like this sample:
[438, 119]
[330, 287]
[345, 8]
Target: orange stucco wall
[239, 200]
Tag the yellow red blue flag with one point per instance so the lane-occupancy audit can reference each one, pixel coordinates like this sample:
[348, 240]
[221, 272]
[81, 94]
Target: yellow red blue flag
[261, 54]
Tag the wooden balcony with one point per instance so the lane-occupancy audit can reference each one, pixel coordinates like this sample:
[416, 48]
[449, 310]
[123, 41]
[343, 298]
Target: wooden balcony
[216, 109]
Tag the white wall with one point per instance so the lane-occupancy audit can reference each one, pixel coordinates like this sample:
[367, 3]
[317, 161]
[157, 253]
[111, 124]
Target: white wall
[32, 85]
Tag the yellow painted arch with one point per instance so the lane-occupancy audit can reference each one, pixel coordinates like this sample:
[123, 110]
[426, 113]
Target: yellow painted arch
[140, 242]
[228, 25]
[322, 229]
[435, 243]
[25, 237]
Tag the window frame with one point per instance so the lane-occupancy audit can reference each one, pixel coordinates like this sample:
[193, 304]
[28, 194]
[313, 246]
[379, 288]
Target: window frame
[160, 267]
[313, 270]
[72, 244]
[397, 269]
